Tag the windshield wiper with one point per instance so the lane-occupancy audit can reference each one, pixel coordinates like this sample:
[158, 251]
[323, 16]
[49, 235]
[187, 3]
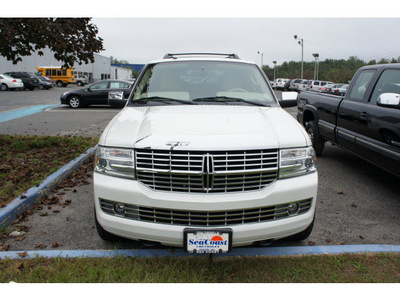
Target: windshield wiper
[161, 99]
[225, 99]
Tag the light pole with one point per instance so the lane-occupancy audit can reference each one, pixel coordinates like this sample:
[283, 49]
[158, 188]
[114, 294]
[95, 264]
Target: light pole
[274, 62]
[301, 42]
[316, 55]
[262, 58]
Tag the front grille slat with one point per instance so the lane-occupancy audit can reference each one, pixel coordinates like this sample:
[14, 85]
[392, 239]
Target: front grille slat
[195, 172]
[206, 218]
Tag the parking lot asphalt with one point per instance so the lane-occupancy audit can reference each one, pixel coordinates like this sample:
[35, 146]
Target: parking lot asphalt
[357, 202]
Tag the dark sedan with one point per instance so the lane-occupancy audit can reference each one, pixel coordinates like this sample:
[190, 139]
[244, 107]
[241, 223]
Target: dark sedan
[95, 94]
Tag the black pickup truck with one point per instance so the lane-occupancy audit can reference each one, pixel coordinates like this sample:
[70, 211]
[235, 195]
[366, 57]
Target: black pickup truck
[366, 121]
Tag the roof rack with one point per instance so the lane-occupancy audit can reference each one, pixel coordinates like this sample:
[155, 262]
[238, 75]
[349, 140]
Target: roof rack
[228, 55]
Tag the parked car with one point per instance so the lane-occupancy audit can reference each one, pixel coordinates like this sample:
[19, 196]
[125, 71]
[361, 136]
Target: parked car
[341, 91]
[303, 85]
[316, 85]
[45, 83]
[330, 87]
[30, 81]
[11, 83]
[204, 155]
[97, 93]
[280, 83]
[294, 84]
[81, 80]
[366, 121]
[286, 86]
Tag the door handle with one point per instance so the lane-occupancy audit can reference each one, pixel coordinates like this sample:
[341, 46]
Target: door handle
[364, 115]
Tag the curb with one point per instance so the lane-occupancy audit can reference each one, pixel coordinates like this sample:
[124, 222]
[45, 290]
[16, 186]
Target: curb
[18, 205]
[268, 251]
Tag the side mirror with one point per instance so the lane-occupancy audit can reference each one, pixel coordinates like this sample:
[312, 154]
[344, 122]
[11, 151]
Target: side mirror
[117, 99]
[116, 95]
[289, 99]
[389, 100]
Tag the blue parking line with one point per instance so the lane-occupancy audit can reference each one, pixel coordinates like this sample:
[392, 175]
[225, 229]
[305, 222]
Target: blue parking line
[236, 252]
[23, 112]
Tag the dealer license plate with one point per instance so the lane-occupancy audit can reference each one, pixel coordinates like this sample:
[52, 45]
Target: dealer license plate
[207, 241]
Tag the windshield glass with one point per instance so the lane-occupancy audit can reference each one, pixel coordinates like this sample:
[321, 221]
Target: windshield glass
[204, 81]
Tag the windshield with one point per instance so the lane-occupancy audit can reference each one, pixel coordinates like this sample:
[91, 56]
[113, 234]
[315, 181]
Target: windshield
[205, 82]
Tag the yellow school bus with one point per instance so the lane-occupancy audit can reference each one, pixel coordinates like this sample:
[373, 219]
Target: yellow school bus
[62, 76]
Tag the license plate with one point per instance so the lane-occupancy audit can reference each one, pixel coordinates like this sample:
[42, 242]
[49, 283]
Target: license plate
[207, 241]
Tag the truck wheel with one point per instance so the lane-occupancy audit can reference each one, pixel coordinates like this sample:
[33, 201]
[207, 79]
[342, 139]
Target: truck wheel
[105, 235]
[317, 141]
[59, 83]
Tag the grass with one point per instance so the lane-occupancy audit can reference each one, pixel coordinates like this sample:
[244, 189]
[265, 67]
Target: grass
[345, 268]
[27, 160]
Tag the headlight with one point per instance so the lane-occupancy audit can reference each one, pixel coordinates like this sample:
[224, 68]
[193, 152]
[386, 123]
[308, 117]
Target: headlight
[116, 95]
[296, 162]
[115, 162]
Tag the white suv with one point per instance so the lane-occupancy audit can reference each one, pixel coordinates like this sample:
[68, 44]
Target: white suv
[280, 83]
[81, 80]
[317, 85]
[203, 157]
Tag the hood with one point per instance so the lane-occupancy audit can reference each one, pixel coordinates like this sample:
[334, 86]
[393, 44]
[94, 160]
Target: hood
[204, 127]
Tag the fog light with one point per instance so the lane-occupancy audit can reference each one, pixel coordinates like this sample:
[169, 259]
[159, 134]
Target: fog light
[293, 208]
[119, 209]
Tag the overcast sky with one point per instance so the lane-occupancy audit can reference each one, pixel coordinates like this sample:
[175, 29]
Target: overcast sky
[140, 31]
[139, 40]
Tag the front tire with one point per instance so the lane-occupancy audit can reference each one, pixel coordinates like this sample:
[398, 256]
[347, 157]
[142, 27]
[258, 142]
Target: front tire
[317, 141]
[75, 102]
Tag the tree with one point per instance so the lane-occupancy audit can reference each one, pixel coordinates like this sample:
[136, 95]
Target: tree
[73, 40]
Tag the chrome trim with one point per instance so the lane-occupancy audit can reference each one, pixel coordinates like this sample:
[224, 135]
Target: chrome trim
[206, 218]
[206, 172]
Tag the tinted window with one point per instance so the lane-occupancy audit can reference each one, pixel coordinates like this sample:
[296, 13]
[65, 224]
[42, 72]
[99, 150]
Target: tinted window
[118, 85]
[361, 84]
[99, 86]
[388, 82]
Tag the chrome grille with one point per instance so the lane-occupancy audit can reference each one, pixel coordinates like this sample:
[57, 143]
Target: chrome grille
[205, 218]
[206, 172]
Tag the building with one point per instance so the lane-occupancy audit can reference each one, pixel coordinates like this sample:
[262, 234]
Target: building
[100, 69]
[136, 67]
[120, 73]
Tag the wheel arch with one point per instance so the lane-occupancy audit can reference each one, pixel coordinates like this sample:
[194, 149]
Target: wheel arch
[309, 114]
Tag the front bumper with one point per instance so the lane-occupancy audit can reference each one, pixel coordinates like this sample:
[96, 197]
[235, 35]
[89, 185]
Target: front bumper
[133, 192]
